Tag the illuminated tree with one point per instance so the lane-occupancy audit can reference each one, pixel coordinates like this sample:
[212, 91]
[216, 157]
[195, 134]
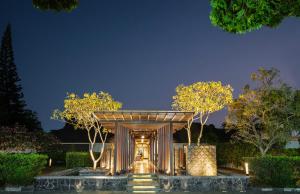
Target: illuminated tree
[202, 98]
[56, 5]
[80, 112]
[240, 16]
[266, 115]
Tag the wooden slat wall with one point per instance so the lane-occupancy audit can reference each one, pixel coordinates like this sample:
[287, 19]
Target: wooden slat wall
[165, 149]
[121, 159]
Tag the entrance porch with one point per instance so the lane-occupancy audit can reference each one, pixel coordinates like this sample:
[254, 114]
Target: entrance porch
[143, 140]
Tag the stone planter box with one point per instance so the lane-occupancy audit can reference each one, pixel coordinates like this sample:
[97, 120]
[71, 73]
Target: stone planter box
[201, 160]
[80, 183]
[203, 183]
[91, 172]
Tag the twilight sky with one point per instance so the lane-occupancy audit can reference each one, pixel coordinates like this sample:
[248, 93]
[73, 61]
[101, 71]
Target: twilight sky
[138, 51]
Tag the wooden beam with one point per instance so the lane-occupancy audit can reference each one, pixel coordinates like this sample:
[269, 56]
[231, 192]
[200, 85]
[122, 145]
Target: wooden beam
[165, 117]
[173, 116]
[105, 117]
[182, 117]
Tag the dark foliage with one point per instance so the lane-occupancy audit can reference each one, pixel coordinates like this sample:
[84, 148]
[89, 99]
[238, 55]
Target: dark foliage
[56, 5]
[78, 159]
[234, 154]
[240, 16]
[275, 171]
[70, 135]
[12, 105]
[211, 134]
[19, 139]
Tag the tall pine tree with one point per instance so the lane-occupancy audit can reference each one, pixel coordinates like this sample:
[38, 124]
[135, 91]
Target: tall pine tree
[12, 105]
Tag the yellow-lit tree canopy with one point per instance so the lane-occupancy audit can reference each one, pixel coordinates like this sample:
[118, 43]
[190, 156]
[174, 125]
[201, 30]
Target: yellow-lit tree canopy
[266, 115]
[202, 98]
[80, 113]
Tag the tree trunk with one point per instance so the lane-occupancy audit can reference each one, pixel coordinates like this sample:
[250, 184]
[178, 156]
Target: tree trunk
[93, 158]
[262, 151]
[95, 165]
[189, 136]
[200, 135]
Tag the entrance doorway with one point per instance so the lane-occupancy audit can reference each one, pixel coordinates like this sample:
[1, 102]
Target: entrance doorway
[142, 146]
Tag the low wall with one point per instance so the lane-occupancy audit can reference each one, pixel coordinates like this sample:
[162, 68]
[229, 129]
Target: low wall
[199, 184]
[80, 183]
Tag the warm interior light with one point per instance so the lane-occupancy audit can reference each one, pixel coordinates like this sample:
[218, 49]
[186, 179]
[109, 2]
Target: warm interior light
[247, 168]
[143, 137]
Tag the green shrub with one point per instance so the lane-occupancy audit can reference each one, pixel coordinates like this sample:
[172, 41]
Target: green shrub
[20, 169]
[285, 152]
[275, 171]
[78, 159]
[229, 153]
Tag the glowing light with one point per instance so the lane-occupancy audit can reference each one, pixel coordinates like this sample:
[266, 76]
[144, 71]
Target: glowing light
[142, 180]
[247, 168]
[143, 187]
[143, 137]
[50, 162]
[142, 176]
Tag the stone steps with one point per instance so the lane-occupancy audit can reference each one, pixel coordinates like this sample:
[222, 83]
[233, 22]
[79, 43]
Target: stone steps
[143, 183]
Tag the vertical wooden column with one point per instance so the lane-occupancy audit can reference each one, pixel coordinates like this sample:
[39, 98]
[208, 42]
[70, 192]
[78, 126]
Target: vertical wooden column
[116, 147]
[171, 151]
[159, 148]
[121, 148]
[132, 149]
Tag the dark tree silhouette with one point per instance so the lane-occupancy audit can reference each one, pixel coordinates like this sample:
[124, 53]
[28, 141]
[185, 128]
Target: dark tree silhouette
[12, 105]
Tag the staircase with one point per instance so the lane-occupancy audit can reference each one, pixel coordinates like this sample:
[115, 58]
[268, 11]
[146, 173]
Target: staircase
[143, 183]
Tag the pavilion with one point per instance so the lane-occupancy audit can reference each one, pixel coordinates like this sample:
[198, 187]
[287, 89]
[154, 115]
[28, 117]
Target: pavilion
[144, 134]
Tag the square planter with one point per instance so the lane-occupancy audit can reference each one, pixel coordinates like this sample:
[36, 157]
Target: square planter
[201, 160]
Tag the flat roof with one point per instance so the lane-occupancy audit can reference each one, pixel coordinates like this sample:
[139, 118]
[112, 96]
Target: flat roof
[144, 119]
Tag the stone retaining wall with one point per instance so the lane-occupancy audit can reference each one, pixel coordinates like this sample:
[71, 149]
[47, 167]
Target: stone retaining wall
[80, 183]
[118, 183]
[201, 184]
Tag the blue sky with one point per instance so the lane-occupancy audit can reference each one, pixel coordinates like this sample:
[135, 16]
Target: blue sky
[139, 51]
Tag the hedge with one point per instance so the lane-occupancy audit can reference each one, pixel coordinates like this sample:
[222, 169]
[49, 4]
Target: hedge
[20, 169]
[275, 171]
[78, 159]
[234, 153]
[229, 153]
